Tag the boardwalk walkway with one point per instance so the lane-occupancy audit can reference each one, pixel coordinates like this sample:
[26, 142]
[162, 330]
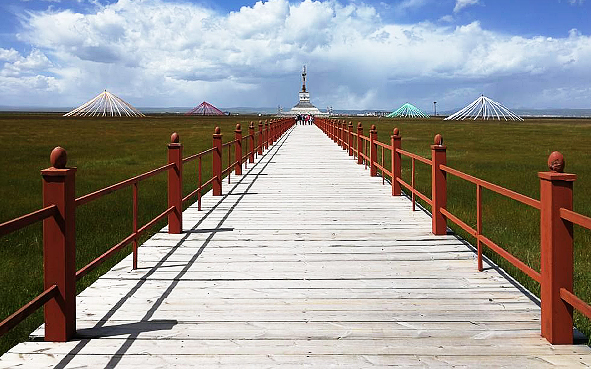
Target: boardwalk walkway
[305, 261]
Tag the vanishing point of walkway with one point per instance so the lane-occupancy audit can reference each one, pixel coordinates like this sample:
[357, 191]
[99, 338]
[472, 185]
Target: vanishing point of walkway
[305, 261]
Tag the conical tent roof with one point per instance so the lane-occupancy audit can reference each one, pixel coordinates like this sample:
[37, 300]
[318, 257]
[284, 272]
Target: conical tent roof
[484, 108]
[105, 104]
[205, 108]
[407, 111]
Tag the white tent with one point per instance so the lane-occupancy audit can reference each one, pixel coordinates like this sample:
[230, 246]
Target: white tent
[484, 108]
[103, 105]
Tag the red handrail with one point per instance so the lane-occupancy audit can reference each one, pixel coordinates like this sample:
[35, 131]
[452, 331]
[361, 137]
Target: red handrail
[120, 185]
[197, 156]
[493, 187]
[28, 309]
[575, 218]
[576, 302]
[415, 156]
[113, 250]
[66, 175]
[556, 321]
[26, 220]
[567, 296]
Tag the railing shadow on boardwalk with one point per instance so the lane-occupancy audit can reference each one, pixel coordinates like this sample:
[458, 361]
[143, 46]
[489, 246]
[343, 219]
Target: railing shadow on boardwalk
[59, 217]
[145, 324]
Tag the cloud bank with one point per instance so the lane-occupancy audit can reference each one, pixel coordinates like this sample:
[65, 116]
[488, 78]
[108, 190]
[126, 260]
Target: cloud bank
[155, 53]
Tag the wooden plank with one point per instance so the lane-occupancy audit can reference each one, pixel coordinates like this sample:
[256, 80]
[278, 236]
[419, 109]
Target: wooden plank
[346, 361]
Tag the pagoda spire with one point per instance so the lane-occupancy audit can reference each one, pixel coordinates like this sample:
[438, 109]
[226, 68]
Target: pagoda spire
[304, 79]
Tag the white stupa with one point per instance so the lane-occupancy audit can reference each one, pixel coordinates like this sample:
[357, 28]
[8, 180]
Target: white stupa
[105, 104]
[304, 106]
[484, 108]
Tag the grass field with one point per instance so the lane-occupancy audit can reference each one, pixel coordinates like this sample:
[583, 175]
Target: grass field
[109, 150]
[105, 151]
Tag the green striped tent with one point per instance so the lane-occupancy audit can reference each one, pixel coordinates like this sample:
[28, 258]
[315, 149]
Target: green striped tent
[407, 111]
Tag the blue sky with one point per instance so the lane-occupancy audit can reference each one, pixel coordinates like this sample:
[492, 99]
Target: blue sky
[360, 54]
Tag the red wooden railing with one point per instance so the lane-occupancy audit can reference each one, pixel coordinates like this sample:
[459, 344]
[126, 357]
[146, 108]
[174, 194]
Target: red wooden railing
[555, 205]
[59, 212]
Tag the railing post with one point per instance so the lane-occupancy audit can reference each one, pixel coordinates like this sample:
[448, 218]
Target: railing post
[438, 186]
[251, 140]
[238, 150]
[175, 185]
[260, 150]
[217, 162]
[556, 248]
[359, 143]
[266, 135]
[340, 133]
[271, 132]
[373, 151]
[345, 136]
[396, 162]
[350, 139]
[333, 128]
[59, 247]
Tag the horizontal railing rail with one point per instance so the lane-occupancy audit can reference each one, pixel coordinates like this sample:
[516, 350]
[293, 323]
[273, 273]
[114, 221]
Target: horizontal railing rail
[31, 307]
[119, 186]
[493, 187]
[60, 203]
[28, 219]
[126, 241]
[556, 218]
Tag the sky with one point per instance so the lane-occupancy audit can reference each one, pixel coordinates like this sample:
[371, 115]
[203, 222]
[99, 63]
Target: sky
[359, 54]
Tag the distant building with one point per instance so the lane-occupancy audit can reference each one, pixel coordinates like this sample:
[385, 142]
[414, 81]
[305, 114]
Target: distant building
[304, 106]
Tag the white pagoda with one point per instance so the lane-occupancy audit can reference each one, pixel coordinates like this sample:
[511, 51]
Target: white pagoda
[304, 106]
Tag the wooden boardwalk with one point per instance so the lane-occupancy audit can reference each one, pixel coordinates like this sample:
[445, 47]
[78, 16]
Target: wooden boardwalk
[306, 261]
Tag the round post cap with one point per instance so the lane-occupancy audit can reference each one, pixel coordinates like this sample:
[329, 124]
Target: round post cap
[359, 125]
[396, 131]
[238, 128]
[556, 162]
[217, 130]
[438, 140]
[58, 158]
[174, 138]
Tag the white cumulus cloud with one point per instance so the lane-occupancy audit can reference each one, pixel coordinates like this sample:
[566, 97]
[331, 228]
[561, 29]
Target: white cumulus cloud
[461, 4]
[157, 53]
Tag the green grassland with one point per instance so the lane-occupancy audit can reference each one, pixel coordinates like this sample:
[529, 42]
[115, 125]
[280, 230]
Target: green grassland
[106, 151]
